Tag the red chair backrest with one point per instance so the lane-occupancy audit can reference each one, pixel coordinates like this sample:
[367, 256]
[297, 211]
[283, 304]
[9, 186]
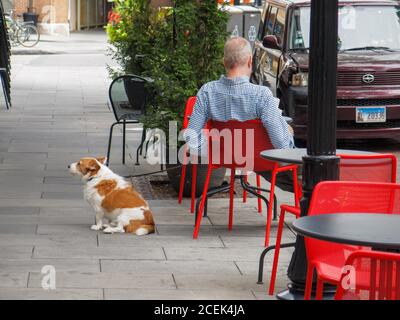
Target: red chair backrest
[369, 168]
[349, 197]
[370, 275]
[237, 144]
[191, 102]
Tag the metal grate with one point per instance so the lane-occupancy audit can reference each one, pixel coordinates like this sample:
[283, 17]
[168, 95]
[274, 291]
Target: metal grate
[381, 78]
[368, 102]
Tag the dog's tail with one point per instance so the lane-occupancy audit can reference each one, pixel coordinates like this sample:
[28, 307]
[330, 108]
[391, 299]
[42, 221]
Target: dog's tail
[145, 229]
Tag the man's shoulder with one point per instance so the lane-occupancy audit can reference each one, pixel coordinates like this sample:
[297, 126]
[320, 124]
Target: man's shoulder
[262, 90]
[248, 87]
[209, 86]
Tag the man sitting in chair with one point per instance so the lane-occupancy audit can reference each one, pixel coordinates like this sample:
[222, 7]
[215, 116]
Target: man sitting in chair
[233, 97]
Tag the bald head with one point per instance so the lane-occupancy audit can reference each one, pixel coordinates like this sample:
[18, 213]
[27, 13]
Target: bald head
[237, 53]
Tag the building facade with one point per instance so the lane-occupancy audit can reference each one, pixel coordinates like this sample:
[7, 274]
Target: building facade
[64, 16]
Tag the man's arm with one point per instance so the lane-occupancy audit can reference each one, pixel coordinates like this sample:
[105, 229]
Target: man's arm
[271, 117]
[193, 135]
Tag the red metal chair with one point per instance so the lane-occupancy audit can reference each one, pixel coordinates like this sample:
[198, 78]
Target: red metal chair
[373, 275]
[190, 104]
[370, 168]
[188, 111]
[327, 258]
[224, 149]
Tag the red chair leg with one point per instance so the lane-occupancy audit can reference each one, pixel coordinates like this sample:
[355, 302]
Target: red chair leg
[270, 208]
[194, 182]
[296, 188]
[309, 280]
[277, 251]
[183, 176]
[320, 290]
[203, 201]
[246, 179]
[259, 192]
[231, 194]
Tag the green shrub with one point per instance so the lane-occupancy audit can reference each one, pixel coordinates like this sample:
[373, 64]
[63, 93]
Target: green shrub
[181, 49]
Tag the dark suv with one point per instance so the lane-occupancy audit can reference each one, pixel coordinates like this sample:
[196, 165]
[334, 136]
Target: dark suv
[368, 85]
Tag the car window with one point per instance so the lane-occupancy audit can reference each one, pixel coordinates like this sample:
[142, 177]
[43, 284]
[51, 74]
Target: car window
[279, 27]
[270, 23]
[264, 19]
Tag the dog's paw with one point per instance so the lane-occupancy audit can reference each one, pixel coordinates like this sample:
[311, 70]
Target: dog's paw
[109, 230]
[95, 227]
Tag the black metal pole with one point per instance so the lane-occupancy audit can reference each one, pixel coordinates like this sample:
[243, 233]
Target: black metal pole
[5, 59]
[321, 162]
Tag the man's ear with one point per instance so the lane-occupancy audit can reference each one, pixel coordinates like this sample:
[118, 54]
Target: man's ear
[102, 160]
[250, 62]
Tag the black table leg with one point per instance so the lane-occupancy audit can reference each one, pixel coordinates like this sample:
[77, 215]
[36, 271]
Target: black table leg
[262, 258]
[254, 191]
[140, 147]
[223, 188]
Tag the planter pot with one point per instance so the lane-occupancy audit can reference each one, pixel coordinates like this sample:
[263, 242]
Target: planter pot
[174, 175]
[31, 17]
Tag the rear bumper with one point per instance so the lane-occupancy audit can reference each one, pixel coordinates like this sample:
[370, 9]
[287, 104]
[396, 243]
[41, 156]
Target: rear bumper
[347, 127]
[380, 133]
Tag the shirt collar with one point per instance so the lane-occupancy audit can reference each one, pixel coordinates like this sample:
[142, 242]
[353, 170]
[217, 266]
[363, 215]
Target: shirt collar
[234, 81]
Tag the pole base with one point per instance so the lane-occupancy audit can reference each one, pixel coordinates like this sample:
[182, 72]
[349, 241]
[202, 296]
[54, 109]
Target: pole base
[297, 293]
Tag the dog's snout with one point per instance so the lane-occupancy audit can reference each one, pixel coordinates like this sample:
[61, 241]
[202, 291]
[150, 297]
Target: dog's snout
[69, 166]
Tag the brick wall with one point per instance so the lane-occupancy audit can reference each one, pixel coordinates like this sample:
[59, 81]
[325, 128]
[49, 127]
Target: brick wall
[43, 8]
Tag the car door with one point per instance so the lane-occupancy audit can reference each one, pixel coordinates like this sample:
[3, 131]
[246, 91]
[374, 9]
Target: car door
[259, 50]
[267, 60]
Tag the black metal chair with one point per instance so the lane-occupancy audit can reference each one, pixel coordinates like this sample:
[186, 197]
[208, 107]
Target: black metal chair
[5, 66]
[128, 97]
[4, 93]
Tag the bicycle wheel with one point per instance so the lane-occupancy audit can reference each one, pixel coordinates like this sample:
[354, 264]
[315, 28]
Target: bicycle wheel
[28, 35]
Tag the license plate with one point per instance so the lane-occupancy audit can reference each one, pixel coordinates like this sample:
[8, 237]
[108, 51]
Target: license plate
[371, 115]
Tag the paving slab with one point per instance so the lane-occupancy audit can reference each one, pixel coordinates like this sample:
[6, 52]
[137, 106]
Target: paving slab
[13, 280]
[99, 280]
[47, 240]
[214, 254]
[60, 294]
[30, 219]
[118, 240]
[94, 252]
[15, 211]
[36, 265]
[169, 267]
[18, 229]
[215, 282]
[146, 294]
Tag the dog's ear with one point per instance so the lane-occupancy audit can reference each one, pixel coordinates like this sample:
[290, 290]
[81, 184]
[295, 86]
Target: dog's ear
[102, 160]
[93, 166]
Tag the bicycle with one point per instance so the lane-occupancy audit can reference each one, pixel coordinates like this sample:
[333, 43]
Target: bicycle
[21, 33]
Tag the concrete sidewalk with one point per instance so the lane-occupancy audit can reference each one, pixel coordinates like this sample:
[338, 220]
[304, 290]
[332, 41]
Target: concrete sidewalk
[60, 114]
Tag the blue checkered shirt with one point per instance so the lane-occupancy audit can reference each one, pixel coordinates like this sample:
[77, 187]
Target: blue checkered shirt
[237, 99]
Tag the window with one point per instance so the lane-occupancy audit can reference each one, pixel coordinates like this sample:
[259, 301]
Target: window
[361, 27]
[279, 27]
[264, 18]
[271, 21]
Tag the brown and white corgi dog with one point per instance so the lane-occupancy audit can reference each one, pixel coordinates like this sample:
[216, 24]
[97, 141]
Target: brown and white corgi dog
[113, 198]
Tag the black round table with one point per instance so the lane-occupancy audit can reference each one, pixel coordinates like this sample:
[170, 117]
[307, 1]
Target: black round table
[379, 231]
[295, 155]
